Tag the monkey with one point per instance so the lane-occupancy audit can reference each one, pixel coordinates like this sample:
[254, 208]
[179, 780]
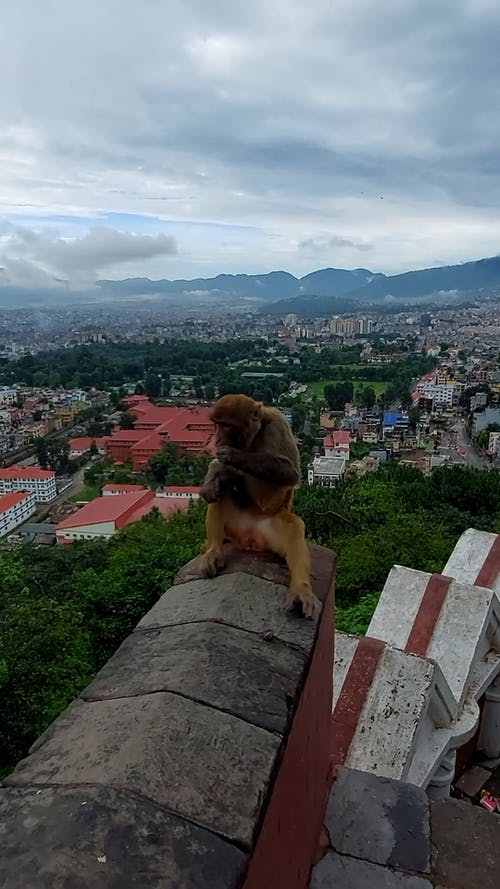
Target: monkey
[249, 489]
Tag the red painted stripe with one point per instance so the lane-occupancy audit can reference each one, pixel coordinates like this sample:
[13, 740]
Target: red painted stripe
[352, 698]
[427, 615]
[491, 568]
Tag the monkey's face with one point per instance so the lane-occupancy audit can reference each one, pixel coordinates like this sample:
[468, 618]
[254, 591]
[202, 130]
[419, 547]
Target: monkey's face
[237, 420]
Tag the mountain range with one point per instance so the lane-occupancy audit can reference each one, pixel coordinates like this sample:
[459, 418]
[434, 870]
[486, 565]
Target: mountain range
[320, 292]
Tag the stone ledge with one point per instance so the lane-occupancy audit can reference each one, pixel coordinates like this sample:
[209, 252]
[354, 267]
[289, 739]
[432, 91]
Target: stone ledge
[199, 763]
[98, 838]
[268, 567]
[238, 600]
[217, 701]
[226, 668]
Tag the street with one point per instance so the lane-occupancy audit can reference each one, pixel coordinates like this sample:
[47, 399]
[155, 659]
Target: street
[466, 449]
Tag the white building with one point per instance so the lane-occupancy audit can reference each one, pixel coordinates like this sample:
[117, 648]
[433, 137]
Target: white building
[7, 395]
[39, 482]
[326, 470]
[14, 510]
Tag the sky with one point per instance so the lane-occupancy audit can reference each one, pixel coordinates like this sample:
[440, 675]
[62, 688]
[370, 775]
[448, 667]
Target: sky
[183, 138]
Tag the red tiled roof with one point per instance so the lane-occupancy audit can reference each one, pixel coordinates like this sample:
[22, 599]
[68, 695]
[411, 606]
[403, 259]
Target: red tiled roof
[26, 472]
[338, 438]
[124, 489]
[127, 435]
[105, 509]
[7, 501]
[85, 443]
[165, 505]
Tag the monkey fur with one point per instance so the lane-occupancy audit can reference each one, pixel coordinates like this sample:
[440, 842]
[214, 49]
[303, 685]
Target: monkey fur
[249, 490]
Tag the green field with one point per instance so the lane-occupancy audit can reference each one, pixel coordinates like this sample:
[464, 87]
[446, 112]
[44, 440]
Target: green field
[88, 493]
[317, 388]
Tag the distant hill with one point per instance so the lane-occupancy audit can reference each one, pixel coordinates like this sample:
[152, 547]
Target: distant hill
[443, 283]
[320, 292]
[264, 288]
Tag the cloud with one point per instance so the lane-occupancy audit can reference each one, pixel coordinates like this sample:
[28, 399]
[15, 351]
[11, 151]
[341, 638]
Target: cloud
[291, 120]
[30, 256]
[326, 243]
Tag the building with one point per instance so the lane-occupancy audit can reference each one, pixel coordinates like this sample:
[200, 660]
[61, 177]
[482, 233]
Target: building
[189, 428]
[8, 395]
[489, 417]
[80, 446]
[326, 470]
[119, 506]
[40, 482]
[337, 444]
[395, 421]
[113, 490]
[15, 509]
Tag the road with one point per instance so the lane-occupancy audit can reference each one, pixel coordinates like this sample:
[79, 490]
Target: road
[467, 450]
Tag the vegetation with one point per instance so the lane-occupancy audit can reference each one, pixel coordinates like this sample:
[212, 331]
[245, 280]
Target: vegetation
[65, 610]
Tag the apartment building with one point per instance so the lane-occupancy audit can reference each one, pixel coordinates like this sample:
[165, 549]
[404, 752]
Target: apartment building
[15, 509]
[39, 482]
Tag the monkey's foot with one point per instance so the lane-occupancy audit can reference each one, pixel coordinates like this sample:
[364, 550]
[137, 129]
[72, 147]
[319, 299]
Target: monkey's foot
[302, 592]
[212, 562]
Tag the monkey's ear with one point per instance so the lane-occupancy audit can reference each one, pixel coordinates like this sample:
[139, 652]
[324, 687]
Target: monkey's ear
[259, 405]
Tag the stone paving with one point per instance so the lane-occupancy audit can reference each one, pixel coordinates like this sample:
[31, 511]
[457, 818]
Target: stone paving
[386, 834]
[482, 774]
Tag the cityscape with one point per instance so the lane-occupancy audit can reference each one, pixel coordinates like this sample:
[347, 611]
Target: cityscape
[250, 445]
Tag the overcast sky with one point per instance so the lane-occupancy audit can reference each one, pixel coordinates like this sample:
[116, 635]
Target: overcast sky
[183, 139]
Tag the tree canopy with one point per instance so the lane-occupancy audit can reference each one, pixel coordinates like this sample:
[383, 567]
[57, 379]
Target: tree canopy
[65, 610]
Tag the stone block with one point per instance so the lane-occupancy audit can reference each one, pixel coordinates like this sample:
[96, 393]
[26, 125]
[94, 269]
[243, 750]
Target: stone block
[473, 780]
[239, 600]
[238, 672]
[426, 614]
[199, 763]
[100, 838]
[268, 566]
[465, 845]
[475, 559]
[380, 820]
[379, 703]
[340, 872]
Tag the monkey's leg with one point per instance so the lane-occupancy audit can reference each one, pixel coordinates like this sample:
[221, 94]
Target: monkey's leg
[288, 539]
[213, 558]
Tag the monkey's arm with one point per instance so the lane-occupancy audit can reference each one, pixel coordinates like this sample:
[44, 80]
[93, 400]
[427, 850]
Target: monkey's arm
[219, 478]
[264, 465]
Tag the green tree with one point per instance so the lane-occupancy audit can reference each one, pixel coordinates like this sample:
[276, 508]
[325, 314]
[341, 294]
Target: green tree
[127, 420]
[338, 395]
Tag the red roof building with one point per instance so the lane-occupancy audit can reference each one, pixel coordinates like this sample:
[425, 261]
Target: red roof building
[40, 482]
[80, 446]
[15, 508]
[337, 443]
[190, 428]
[104, 516]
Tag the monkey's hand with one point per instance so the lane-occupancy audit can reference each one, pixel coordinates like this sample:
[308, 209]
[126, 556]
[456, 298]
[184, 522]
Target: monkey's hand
[231, 457]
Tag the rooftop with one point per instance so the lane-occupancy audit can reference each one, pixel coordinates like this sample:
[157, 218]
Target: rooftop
[105, 509]
[26, 472]
[7, 501]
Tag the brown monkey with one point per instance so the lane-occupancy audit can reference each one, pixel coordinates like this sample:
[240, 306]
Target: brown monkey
[249, 489]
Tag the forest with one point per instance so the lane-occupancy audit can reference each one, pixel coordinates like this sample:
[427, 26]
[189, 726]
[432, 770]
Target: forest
[65, 610]
[215, 367]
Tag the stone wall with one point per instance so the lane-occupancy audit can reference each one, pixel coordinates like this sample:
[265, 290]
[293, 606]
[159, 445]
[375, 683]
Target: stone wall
[199, 758]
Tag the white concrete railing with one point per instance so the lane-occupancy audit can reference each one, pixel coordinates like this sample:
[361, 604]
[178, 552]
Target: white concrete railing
[406, 695]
